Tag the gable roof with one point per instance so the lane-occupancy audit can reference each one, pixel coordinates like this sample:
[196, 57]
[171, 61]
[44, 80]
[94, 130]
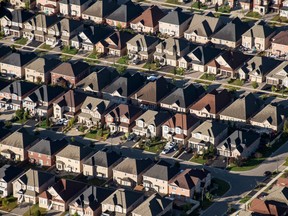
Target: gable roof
[281, 38]
[35, 178]
[278, 194]
[210, 128]
[67, 25]
[4, 83]
[71, 69]
[174, 45]
[203, 54]
[43, 65]
[156, 118]
[71, 98]
[75, 152]
[133, 166]
[184, 180]
[103, 159]
[143, 40]
[280, 72]
[259, 30]
[93, 103]
[118, 39]
[127, 110]
[162, 171]
[176, 17]
[20, 16]
[101, 8]
[45, 93]
[44, 21]
[19, 88]
[8, 172]
[182, 120]
[19, 59]
[48, 146]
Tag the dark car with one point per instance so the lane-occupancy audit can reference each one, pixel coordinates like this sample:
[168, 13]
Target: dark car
[267, 173]
[131, 137]
[136, 138]
[188, 150]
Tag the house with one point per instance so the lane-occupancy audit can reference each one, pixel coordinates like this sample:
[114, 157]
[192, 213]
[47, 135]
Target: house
[123, 87]
[44, 151]
[114, 44]
[28, 186]
[63, 31]
[13, 23]
[124, 14]
[121, 202]
[203, 27]
[40, 102]
[153, 92]
[73, 8]
[101, 164]
[265, 207]
[12, 95]
[258, 37]
[148, 21]
[48, 7]
[261, 7]
[122, 118]
[14, 64]
[129, 172]
[182, 98]
[68, 105]
[198, 58]
[279, 44]
[150, 122]
[8, 174]
[93, 111]
[178, 128]
[169, 51]
[175, 23]
[157, 177]
[16, 145]
[284, 9]
[69, 73]
[99, 10]
[211, 104]
[257, 68]
[88, 202]
[210, 132]
[71, 158]
[271, 117]
[239, 144]
[227, 63]
[242, 109]
[142, 47]
[230, 35]
[282, 182]
[38, 71]
[96, 81]
[278, 76]
[59, 195]
[246, 5]
[154, 205]
[278, 194]
[30, 4]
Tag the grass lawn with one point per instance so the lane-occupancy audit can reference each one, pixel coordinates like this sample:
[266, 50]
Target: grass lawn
[34, 209]
[96, 181]
[68, 176]
[69, 50]
[151, 66]
[21, 41]
[123, 60]
[97, 134]
[196, 5]
[249, 165]
[207, 76]
[43, 124]
[223, 187]
[155, 147]
[245, 199]
[286, 162]
[65, 58]
[253, 14]
[224, 9]
[12, 203]
[278, 18]
[45, 46]
[198, 160]
[173, 2]
[237, 82]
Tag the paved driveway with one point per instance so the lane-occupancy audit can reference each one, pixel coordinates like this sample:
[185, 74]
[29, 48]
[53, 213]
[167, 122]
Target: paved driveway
[21, 209]
[185, 156]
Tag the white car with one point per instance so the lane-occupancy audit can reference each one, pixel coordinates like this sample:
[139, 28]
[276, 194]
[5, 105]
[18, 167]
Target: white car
[59, 122]
[165, 151]
[65, 122]
[152, 78]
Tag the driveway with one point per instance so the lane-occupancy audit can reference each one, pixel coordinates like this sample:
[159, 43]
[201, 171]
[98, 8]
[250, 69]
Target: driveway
[185, 156]
[21, 209]
[34, 43]
[128, 144]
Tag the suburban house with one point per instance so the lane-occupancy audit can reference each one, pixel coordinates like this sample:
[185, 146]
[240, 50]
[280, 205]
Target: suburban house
[154, 205]
[121, 202]
[16, 145]
[44, 152]
[175, 23]
[198, 58]
[239, 144]
[284, 9]
[242, 109]
[182, 98]
[129, 172]
[12, 95]
[101, 164]
[73, 8]
[69, 74]
[282, 181]
[153, 92]
[68, 105]
[148, 21]
[123, 87]
[89, 201]
[98, 80]
[124, 14]
[71, 158]
[38, 71]
[122, 118]
[115, 44]
[59, 195]
[99, 10]
[157, 177]
[210, 132]
[211, 104]
[93, 111]
[169, 51]
[279, 43]
[28, 186]
[178, 128]
[14, 64]
[23, 4]
[142, 47]
[271, 117]
[278, 76]
[48, 7]
[227, 63]
[258, 37]
[150, 122]
[257, 68]
[8, 174]
[261, 7]
[40, 102]
[266, 207]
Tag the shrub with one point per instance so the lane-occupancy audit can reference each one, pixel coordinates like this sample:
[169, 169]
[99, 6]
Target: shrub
[255, 85]
[8, 124]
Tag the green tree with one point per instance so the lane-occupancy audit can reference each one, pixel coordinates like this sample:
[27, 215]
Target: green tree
[27, 4]
[47, 122]
[273, 89]
[26, 115]
[72, 139]
[255, 85]
[198, 4]
[5, 203]
[20, 113]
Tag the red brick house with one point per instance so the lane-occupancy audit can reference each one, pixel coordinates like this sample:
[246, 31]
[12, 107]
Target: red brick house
[68, 74]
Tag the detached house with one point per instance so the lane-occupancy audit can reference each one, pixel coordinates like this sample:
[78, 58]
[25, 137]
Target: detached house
[178, 128]
[279, 44]
[73, 7]
[49, 7]
[8, 174]
[175, 23]
[130, 171]
[242, 109]
[22, 3]
[29, 185]
[148, 21]
[278, 76]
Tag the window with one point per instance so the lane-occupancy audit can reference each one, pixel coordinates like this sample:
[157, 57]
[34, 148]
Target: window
[166, 129]
[178, 130]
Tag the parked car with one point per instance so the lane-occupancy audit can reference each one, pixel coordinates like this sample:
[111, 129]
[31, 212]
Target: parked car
[59, 122]
[165, 151]
[136, 138]
[131, 137]
[188, 150]
[267, 173]
[14, 39]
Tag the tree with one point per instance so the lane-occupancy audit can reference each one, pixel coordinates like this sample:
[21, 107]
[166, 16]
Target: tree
[216, 6]
[72, 139]
[27, 4]
[47, 122]
[5, 203]
[255, 85]
[273, 89]
[37, 213]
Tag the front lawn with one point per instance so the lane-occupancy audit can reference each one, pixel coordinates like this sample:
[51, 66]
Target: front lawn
[151, 66]
[198, 160]
[224, 9]
[21, 41]
[173, 2]
[245, 199]
[8, 203]
[237, 82]
[210, 77]
[65, 58]
[278, 18]
[199, 5]
[45, 46]
[98, 134]
[35, 208]
[69, 50]
[253, 14]
[123, 60]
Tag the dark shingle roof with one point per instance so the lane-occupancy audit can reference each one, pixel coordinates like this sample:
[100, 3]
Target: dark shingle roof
[43, 65]
[46, 93]
[204, 54]
[75, 152]
[4, 50]
[21, 16]
[48, 147]
[71, 69]
[19, 59]
[101, 8]
[8, 172]
[71, 99]
[162, 171]
[134, 166]
[176, 17]
[19, 88]
[35, 178]
[103, 159]
[125, 110]
[259, 30]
